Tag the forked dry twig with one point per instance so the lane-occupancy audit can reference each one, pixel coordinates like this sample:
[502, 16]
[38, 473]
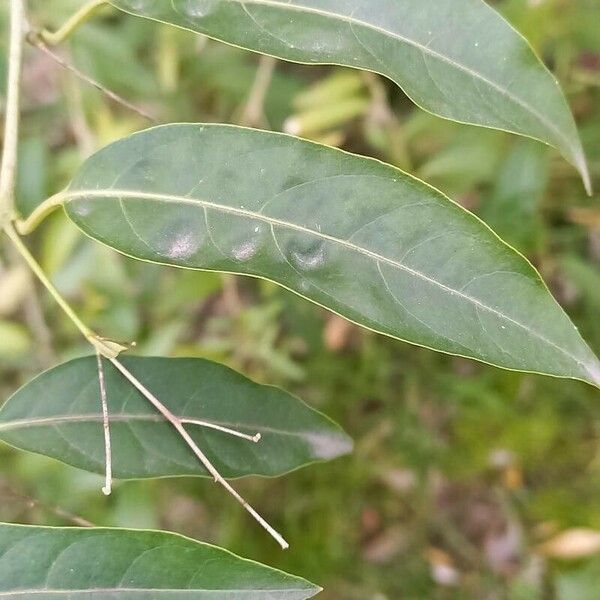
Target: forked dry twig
[178, 424]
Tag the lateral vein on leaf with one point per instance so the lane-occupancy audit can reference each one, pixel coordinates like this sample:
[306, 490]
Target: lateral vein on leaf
[391, 293]
[97, 194]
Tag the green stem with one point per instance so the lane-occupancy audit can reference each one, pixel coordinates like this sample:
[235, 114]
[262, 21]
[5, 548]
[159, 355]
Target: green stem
[11, 121]
[39, 273]
[105, 347]
[26, 226]
[53, 38]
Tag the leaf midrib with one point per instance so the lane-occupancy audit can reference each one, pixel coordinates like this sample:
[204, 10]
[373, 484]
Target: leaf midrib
[98, 194]
[424, 49]
[124, 418]
[162, 591]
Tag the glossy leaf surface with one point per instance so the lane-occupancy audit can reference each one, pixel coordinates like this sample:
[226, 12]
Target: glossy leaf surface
[455, 58]
[59, 414]
[49, 563]
[350, 233]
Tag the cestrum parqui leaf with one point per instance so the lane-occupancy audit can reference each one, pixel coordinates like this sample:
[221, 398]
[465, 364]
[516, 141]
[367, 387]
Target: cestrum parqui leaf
[53, 563]
[352, 234]
[59, 414]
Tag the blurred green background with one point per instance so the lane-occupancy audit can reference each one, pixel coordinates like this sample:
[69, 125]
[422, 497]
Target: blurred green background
[466, 481]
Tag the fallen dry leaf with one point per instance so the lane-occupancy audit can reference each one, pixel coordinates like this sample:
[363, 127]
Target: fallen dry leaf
[572, 544]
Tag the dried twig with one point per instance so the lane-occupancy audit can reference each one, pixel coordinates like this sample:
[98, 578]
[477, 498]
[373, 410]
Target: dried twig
[36, 41]
[107, 489]
[178, 424]
[251, 438]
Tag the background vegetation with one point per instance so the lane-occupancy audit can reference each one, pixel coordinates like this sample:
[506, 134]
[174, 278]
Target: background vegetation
[466, 481]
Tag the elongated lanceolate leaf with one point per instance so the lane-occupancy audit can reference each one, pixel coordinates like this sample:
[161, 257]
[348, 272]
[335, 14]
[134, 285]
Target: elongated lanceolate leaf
[48, 563]
[352, 234]
[458, 59]
[59, 414]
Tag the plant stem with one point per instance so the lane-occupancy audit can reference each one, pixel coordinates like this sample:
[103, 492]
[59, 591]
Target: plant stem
[26, 226]
[39, 273]
[73, 22]
[11, 121]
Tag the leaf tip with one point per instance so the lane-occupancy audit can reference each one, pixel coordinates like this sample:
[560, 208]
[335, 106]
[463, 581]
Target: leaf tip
[593, 372]
[587, 180]
[581, 165]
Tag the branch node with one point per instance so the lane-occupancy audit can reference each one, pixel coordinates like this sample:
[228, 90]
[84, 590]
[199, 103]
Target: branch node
[107, 348]
[53, 38]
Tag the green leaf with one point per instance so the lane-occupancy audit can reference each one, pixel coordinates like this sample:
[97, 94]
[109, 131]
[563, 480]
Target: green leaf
[59, 414]
[458, 59]
[49, 563]
[349, 233]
